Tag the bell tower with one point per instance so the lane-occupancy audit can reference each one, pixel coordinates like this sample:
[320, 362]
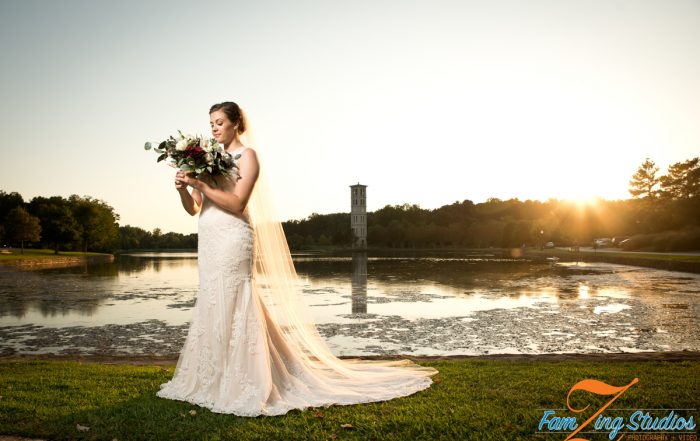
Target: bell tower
[358, 215]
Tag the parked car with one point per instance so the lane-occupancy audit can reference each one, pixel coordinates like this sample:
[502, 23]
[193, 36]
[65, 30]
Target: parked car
[632, 243]
[549, 245]
[602, 242]
[616, 241]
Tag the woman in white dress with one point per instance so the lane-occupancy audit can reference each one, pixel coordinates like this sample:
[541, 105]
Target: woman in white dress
[252, 348]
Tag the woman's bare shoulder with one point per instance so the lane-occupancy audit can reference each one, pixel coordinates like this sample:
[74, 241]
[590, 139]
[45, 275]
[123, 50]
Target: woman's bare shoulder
[249, 151]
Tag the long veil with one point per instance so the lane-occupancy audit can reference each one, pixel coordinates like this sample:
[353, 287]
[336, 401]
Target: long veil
[276, 280]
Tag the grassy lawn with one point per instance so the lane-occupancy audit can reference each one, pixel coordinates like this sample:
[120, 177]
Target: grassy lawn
[472, 399]
[43, 253]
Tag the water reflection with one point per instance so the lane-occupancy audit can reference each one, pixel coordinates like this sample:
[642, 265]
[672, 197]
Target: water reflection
[129, 289]
[471, 304]
[359, 282]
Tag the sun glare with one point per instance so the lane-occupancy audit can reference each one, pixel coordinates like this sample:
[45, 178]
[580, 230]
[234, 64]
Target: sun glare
[585, 201]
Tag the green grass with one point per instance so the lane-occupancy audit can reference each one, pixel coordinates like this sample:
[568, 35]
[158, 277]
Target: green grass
[44, 254]
[473, 399]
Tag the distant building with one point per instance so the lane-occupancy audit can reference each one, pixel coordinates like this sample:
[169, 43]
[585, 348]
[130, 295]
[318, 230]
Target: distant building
[358, 215]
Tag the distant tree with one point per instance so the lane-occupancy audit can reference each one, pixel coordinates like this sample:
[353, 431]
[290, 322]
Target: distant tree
[516, 233]
[295, 241]
[8, 201]
[487, 233]
[644, 181]
[396, 233]
[324, 240]
[132, 237]
[342, 237]
[22, 226]
[682, 180]
[376, 235]
[155, 237]
[97, 223]
[58, 225]
[309, 241]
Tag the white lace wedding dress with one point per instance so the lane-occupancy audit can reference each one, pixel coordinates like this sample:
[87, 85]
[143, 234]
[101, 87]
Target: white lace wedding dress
[236, 360]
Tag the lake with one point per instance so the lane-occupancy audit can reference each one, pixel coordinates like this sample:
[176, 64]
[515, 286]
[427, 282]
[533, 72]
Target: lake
[472, 304]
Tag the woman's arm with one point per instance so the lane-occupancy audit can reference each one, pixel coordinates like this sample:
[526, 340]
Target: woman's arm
[235, 202]
[192, 203]
[189, 202]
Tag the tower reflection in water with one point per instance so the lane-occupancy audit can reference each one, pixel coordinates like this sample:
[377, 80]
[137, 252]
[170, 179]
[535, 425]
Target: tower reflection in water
[359, 282]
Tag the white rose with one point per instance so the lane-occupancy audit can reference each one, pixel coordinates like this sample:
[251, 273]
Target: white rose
[181, 144]
[204, 143]
[208, 158]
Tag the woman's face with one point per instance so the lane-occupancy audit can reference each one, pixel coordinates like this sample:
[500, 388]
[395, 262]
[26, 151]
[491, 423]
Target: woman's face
[221, 127]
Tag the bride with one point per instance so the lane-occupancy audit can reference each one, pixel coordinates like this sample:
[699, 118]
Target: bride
[252, 347]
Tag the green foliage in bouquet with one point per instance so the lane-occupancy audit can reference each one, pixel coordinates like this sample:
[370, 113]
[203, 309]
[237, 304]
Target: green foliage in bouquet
[195, 154]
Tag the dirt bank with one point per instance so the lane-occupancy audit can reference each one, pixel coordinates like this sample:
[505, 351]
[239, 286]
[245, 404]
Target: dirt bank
[59, 261]
[678, 263]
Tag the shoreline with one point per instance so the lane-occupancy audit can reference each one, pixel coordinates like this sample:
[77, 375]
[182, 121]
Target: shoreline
[664, 261]
[670, 261]
[56, 261]
[617, 357]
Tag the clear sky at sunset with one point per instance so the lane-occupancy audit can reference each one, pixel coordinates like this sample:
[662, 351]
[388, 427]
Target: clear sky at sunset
[425, 102]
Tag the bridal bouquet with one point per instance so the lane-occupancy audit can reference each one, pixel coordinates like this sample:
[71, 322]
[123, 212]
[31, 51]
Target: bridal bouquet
[195, 154]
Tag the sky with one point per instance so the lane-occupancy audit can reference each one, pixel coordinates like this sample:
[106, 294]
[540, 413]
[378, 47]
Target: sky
[425, 102]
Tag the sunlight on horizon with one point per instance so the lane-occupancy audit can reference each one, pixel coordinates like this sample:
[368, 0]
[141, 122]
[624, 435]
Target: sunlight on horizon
[425, 104]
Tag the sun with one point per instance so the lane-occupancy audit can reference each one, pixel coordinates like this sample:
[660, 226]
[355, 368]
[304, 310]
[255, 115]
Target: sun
[590, 201]
[585, 202]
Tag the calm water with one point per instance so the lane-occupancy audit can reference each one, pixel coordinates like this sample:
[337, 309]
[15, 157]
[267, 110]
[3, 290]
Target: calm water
[477, 304]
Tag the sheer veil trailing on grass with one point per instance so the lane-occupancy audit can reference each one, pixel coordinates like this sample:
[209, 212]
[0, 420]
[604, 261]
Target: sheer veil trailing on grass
[288, 364]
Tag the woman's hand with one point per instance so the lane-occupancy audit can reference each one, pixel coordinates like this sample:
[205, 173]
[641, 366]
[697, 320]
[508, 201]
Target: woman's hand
[191, 202]
[182, 180]
[179, 185]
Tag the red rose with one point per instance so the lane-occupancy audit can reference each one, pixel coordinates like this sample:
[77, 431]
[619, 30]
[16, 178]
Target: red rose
[195, 152]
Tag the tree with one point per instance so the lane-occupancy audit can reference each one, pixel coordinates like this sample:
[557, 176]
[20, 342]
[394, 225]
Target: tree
[97, 223]
[57, 222]
[309, 241]
[295, 241]
[132, 237]
[324, 240]
[682, 180]
[22, 226]
[8, 201]
[138, 238]
[644, 181]
[155, 235]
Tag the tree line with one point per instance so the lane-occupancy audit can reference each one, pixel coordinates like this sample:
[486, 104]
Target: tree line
[72, 224]
[76, 224]
[663, 214]
[135, 238]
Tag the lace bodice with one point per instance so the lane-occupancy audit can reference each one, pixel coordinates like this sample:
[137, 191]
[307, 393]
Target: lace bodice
[211, 213]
